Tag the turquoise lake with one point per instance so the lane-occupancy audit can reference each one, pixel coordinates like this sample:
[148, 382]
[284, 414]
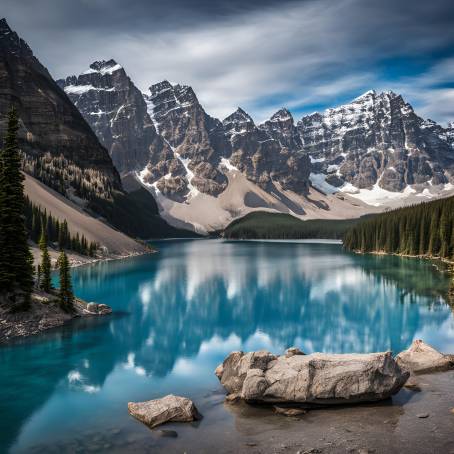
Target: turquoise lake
[179, 312]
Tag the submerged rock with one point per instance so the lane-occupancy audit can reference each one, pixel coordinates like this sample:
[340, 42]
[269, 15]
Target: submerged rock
[288, 411]
[167, 409]
[422, 357]
[316, 379]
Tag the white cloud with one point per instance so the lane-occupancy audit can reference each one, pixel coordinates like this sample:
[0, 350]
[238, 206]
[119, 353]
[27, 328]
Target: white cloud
[292, 54]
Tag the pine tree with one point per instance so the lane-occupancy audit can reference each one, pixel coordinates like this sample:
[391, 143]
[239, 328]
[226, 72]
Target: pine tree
[45, 268]
[16, 261]
[66, 296]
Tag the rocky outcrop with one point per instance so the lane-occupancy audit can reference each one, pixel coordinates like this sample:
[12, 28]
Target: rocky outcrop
[269, 153]
[60, 147]
[44, 313]
[116, 110]
[167, 409]
[378, 139]
[316, 379]
[197, 141]
[423, 358]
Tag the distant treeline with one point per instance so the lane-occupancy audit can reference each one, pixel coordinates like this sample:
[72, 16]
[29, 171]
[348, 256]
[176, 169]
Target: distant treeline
[265, 225]
[425, 229]
[57, 232]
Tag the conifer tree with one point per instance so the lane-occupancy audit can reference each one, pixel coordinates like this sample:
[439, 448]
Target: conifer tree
[66, 296]
[16, 261]
[45, 267]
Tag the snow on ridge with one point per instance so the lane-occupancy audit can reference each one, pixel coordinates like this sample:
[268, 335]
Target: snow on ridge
[318, 180]
[314, 160]
[80, 89]
[110, 69]
[227, 164]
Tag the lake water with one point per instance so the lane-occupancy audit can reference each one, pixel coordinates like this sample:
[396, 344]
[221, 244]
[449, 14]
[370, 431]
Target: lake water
[179, 312]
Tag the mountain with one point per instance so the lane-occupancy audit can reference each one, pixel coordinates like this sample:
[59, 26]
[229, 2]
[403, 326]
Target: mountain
[203, 172]
[59, 146]
[378, 141]
[197, 141]
[268, 154]
[61, 149]
[116, 111]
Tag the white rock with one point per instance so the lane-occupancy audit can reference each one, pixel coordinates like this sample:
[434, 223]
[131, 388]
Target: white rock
[167, 409]
[319, 378]
[422, 357]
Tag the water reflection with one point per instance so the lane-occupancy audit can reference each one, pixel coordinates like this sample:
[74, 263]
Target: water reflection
[196, 301]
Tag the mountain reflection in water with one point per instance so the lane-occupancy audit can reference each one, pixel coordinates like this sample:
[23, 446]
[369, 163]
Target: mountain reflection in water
[180, 311]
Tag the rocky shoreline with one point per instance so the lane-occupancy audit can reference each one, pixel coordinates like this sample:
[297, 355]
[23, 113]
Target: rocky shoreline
[293, 383]
[44, 313]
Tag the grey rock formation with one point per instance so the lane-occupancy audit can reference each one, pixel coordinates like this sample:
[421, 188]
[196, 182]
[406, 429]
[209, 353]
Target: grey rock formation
[422, 358]
[167, 409]
[269, 153]
[60, 147]
[378, 138]
[115, 109]
[316, 379]
[196, 139]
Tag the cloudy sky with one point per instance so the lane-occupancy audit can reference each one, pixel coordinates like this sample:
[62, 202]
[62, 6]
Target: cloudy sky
[304, 54]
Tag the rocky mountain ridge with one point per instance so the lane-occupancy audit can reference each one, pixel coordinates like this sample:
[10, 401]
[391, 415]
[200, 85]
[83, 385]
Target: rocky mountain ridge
[375, 143]
[378, 139]
[61, 149]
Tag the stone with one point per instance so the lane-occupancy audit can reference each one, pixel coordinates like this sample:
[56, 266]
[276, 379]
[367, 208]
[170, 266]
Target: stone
[104, 309]
[422, 358]
[167, 409]
[422, 415]
[232, 398]
[293, 351]
[168, 433]
[288, 411]
[92, 307]
[316, 379]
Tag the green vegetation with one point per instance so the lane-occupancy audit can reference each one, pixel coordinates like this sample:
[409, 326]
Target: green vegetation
[56, 232]
[65, 293]
[45, 267]
[265, 225]
[16, 261]
[425, 229]
[137, 214]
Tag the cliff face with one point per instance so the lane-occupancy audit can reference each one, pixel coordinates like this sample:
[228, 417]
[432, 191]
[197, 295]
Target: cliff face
[378, 138]
[197, 141]
[60, 148]
[116, 111]
[269, 153]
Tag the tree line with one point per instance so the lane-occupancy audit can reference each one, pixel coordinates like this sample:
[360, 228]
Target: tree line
[426, 229]
[17, 274]
[57, 232]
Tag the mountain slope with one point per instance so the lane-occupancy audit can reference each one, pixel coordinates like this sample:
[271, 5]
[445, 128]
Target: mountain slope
[378, 141]
[116, 111]
[60, 148]
[111, 240]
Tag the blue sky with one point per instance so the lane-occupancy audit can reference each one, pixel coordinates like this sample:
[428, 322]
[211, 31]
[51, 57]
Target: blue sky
[306, 55]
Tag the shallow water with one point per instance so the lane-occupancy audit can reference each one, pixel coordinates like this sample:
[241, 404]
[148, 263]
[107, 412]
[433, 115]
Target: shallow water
[179, 312]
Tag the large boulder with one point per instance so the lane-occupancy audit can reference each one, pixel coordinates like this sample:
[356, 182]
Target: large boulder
[316, 379]
[167, 409]
[422, 357]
